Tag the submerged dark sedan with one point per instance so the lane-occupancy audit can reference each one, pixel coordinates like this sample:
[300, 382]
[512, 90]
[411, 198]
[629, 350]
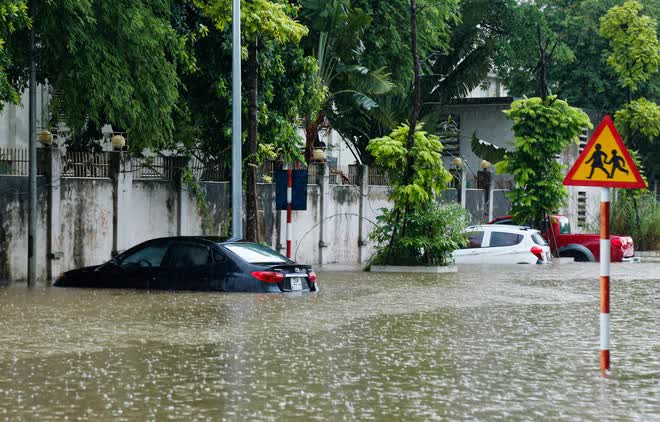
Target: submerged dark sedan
[196, 263]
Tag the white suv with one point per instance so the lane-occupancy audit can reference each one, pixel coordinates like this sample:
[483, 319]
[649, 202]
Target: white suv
[500, 244]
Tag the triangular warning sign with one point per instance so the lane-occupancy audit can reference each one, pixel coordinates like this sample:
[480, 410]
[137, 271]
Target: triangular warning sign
[605, 162]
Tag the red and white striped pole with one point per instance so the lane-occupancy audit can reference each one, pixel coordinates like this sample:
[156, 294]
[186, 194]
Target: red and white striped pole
[604, 280]
[289, 208]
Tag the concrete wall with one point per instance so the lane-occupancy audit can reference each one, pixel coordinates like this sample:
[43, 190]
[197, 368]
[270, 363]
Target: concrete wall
[14, 226]
[83, 220]
[86, 221]
[152, 211]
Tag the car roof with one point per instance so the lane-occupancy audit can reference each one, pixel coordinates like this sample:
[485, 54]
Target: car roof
[502, 228]
[212, 239]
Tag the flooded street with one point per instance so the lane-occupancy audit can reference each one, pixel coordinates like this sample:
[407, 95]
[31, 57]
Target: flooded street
[486, 343]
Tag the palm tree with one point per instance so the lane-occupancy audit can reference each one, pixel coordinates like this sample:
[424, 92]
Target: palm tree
[335, 38]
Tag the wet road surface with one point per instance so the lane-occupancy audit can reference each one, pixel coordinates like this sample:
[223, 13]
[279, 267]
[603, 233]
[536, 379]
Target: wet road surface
[487, 343]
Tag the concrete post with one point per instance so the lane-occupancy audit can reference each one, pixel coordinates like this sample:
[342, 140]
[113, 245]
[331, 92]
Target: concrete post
[463, 188]
[325, 193]
[183, 211]
[363, 179]
[122, 188]
[53, 163]
[491, 198]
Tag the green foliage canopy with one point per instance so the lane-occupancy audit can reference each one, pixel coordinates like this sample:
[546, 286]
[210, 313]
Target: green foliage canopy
[13, 17]
[543, 129]
[430, 177]
[636, 51]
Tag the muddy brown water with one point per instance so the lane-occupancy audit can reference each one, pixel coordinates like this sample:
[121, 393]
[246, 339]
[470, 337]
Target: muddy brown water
[487, 343]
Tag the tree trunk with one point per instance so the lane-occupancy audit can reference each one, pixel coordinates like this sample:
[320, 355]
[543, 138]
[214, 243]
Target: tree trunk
[416, 104]
[251, 209]
[543, 67]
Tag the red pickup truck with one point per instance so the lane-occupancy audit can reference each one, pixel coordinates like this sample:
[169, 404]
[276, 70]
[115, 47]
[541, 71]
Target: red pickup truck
[582, 247]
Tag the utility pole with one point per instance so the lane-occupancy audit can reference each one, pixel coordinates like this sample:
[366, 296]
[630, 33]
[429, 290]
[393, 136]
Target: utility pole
[236, 144]
[32, 134]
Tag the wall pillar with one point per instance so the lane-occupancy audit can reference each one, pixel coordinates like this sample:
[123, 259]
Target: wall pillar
[325, 193]
[53, 171]
[179, 164]
[122, 188]
[363, 179]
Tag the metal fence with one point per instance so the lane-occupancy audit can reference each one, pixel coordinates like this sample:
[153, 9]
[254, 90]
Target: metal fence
[153, 168]
[345, 175]
[86, 164]
[14, 161]
[208, 170]
[378, 177]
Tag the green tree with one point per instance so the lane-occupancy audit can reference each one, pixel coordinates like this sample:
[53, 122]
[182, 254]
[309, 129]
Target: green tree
[635, 59]
[263, 23]
[636, 52]
[13, 17]
[114, 62]
[416, 231]
[543, 129]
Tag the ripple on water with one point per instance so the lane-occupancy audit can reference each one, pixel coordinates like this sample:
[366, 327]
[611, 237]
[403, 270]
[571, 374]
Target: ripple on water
[485, 343]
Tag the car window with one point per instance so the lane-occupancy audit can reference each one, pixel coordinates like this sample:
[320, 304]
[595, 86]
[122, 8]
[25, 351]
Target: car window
[257, 254]
[564, 225]
[538, 239]
[188, 255]
[498, 239]
[474, 239]
[219, 256]
[150, 255]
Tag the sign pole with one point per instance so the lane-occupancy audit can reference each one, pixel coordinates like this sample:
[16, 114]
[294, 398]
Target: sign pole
[604, 280]
[606, 163]
[289, 208]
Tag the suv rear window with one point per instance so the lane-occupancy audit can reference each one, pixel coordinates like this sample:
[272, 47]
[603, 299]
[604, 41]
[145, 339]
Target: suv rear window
[257, 254]
[538, 239]
[474, 240]
[504, 239]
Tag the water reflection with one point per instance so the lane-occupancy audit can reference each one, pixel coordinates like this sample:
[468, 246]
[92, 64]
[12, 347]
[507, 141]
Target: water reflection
[515, 343]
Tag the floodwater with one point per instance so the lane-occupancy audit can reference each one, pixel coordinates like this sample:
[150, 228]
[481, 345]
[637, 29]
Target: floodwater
[487, 343]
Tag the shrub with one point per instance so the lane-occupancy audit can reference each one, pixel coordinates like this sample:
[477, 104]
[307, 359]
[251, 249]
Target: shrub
[637, 216]
[424, 237]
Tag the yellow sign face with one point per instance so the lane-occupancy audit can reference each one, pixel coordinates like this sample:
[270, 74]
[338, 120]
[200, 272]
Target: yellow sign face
[605, 162]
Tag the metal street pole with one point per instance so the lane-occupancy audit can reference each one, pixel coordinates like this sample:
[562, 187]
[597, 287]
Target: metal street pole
[604, 280]
[32, 134]
[236, 144]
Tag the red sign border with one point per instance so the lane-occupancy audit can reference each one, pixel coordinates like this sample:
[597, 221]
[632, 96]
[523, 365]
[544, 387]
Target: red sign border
[606, 122]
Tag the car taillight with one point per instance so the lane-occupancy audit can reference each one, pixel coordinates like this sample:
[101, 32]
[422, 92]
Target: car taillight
[538, 251]
[616, 242]
[268, 276]
[312, 276]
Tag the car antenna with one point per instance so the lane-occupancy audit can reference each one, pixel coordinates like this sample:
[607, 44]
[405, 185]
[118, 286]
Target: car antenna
[233, 239]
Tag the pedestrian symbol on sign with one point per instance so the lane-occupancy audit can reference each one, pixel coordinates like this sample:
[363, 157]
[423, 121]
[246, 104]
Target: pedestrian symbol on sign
[605, 162]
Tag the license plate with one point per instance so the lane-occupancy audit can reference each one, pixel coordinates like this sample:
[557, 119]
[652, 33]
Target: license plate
[296, 283]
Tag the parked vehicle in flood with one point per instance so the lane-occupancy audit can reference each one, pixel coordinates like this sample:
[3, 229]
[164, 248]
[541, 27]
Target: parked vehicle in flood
[493, 244]
[580, 246]
[196, 263]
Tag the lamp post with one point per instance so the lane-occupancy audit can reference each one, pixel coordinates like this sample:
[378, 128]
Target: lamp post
[236, 158]
[485, 182]
[32, 138]
[458, 168]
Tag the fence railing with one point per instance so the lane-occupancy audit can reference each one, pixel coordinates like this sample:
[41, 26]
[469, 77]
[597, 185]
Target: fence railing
[209, 171]
[378, 177]
[153, 168]
[345, 175]
[86, 164]
[14, 161]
